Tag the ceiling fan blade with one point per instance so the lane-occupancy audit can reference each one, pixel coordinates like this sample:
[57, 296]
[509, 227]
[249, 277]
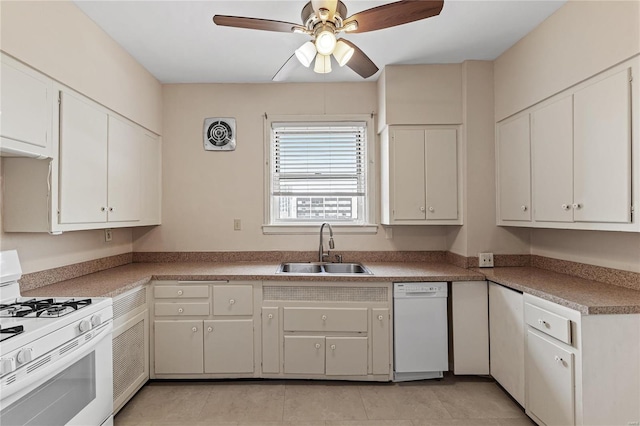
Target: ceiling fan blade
[392, 14]
[286, 69]
[254, 23]
[360, 62]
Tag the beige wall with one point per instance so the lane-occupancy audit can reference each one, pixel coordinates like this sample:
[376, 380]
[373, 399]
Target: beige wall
[581, 39]
[60, 41]
[204, 192]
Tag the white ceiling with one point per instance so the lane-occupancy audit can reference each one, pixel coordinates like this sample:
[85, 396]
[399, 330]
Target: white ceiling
[178, 42]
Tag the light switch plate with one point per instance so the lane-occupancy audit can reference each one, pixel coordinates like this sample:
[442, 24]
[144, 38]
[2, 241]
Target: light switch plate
[485, 260]
[107, 235]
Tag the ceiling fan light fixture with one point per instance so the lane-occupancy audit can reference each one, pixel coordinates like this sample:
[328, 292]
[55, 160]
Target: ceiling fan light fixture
[323, 64]
[343, 52]
[325, 42]
[306, 53]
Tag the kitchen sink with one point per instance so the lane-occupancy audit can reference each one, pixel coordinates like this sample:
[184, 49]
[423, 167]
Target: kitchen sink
[323, 268]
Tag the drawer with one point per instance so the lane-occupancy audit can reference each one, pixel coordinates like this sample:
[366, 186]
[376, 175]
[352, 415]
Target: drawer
[232, 300]
[325, 319]
[181, 291]
[552, 324]
[181, 309]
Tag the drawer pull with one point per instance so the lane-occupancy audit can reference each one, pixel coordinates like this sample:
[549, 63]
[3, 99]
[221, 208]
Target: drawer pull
[180, 292]
[317, 345]
[333, 347]
[194, 329]
[210, 329]
[543, 322]
[324, 318]
[558, 360]
[380, 317]
[270, 316]
[523, 208]
[232, 301]
[180, 310]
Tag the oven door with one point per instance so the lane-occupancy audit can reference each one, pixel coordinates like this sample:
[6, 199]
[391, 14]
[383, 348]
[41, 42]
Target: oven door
[76, 389]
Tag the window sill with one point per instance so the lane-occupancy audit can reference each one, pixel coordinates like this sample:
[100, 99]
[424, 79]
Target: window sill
[299, 229]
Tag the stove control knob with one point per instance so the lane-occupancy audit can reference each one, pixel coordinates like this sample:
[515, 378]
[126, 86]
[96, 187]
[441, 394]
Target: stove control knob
[7, 365]
[24, 355]
[96, 320]
[85, 325]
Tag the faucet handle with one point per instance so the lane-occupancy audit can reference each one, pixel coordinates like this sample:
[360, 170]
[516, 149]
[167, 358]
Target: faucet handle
[339, 258]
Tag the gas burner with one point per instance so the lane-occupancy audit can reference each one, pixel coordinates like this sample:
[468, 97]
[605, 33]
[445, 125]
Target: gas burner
[42, 308]
[9, 332]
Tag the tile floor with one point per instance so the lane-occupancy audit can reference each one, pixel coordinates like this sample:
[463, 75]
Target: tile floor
[453, 401]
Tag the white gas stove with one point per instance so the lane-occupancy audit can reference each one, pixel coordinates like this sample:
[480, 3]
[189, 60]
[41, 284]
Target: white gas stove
[55, 356]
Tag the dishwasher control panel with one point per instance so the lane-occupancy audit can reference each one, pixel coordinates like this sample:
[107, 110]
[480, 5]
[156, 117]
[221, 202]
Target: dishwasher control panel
[428, 289]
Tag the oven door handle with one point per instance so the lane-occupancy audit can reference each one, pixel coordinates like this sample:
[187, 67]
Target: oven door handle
[17, 390]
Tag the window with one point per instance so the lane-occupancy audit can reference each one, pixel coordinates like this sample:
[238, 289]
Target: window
[318, 172]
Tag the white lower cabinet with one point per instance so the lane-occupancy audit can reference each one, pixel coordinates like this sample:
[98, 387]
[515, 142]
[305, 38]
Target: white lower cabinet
[228, 346]
[304, 354]
[178, 347]
[470, 327]
[346, 356]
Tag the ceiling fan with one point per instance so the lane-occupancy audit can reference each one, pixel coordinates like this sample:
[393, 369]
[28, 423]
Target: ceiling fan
[323, 20]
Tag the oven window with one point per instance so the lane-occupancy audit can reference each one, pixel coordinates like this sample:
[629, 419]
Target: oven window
[58, 400]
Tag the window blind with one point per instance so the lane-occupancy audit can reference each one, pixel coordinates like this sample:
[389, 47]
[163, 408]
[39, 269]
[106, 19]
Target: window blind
[319, 159]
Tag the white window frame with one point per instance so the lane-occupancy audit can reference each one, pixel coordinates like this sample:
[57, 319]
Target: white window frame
[369, 226]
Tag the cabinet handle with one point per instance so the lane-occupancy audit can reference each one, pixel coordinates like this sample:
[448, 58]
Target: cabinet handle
[103, 209]
[209, 329]
[559, 360]
[270, 316]
[110, 209]
[523, 208]
[431, 209]
[324, 318]
[542, 322]
[317, 345]
[421, 209]
[194, 329]
[180, 310]
[333, 347]
[577, 206]
[232, 301]
[565, 207]
[380, 317]
[179, 292]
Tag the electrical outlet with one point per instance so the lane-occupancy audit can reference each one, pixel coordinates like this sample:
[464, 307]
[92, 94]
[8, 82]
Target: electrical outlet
[237, 224]
[107, 235]
[485, 260]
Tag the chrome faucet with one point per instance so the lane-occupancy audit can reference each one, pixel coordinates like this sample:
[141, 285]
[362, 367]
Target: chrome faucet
[321, 254]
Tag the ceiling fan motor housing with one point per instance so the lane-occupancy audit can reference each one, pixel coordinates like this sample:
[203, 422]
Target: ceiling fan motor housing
[219, 134]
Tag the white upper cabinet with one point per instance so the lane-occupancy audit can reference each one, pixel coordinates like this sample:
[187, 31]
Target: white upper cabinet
[513, 161]
[420, 175]
[584, 168]
[602, 150]
[27, 101]
[126, 143]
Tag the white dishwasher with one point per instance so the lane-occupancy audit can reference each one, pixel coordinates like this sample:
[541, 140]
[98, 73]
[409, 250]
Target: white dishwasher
[420, 337]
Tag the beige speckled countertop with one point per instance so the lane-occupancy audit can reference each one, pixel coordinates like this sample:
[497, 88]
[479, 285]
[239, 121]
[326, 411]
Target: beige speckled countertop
[112, 282]
[586, 296]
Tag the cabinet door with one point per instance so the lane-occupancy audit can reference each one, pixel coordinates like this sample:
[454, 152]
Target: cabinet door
[470, 322]
[304, 354]
[441, 173]
[123, 171]
[232, 300]
[150, 179]
[228, 346]
[270, 340]
[552, 161]
[26, 100]
[602, 150]
[346, 356]
[550, 381]
[506, 345]
[83, 161]
[513, 160]
[178, 347]
[381, 341]
[408, 175]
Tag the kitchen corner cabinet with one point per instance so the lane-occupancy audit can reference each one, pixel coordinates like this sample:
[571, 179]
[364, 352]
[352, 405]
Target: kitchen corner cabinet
[130, 345]
[470, 327]
[326, 331]
[27, 100]
[106, 174]
[573, 156]
[203, 329]
[506, 331]
[420, 175]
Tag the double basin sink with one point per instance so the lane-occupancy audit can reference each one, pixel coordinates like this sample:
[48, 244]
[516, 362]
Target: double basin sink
[323, 268]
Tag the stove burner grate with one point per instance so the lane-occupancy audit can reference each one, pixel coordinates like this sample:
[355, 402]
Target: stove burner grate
[7, 333]
[43, 308]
